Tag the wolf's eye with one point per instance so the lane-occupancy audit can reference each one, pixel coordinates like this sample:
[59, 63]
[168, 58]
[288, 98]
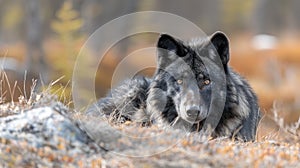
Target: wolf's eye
[179, 81]
[207, 82]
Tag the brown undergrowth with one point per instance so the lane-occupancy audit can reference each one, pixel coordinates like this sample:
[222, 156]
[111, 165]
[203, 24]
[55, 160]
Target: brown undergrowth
[154, 147]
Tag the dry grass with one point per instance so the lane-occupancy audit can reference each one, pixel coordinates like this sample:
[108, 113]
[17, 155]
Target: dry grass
[158, 148]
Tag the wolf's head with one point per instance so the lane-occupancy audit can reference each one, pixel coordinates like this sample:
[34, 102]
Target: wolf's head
[183, 76]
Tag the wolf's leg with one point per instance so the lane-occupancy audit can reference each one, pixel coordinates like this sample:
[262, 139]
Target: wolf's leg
[104, 106]
[249, 126]
[124, 102]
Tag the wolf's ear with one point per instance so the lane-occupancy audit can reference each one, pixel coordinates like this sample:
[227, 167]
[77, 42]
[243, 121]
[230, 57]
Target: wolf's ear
[221, 43]
[169, 43]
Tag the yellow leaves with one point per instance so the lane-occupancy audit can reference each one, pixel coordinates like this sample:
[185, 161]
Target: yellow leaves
[67, 159]
[7, 150]
[61, 146]
[96, 163]
[127, 123]
[66, 12]
[68, 21]
[67, 26]
[4, 141]
[13, 16]
[225, 150]
[185, 142]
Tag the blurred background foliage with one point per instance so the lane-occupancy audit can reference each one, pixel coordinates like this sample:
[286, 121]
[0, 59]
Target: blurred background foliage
[43, 38]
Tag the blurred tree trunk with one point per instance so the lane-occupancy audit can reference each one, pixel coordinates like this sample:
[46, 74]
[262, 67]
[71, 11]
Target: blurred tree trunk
[269, 16]
[90, 9]
[96, 13]
[295, 6]
[205, 13]
[35, 59]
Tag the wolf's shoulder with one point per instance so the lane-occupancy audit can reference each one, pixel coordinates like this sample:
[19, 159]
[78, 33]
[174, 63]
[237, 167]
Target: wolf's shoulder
[129, 88]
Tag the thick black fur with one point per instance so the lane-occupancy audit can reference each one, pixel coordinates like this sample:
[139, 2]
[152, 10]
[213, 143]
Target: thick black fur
[180, 93]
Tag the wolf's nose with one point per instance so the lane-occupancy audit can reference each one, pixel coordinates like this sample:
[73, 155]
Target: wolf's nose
[193, 112]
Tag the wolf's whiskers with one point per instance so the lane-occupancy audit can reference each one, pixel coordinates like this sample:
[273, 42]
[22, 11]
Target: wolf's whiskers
[174, 122]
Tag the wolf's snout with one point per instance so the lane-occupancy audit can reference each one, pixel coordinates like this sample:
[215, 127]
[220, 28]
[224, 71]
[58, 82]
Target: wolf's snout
[193, 112]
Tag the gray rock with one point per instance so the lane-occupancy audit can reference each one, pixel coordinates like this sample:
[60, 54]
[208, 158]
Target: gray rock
[47, 126]
[100, 131]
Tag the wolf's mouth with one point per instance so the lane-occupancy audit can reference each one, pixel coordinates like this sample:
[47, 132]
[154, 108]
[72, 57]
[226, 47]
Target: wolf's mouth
[194, 119]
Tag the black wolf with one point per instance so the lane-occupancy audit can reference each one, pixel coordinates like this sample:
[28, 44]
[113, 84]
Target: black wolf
[181, 90]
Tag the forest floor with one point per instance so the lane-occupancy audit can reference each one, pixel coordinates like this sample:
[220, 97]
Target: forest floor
[44, 133]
